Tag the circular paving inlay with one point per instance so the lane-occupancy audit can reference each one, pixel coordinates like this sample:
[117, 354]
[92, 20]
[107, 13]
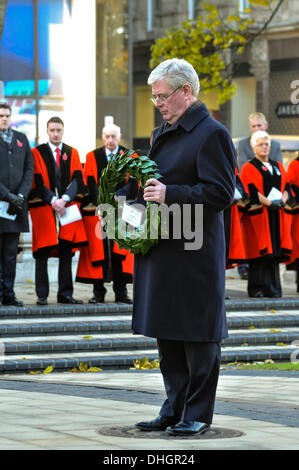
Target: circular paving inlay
[131, 431]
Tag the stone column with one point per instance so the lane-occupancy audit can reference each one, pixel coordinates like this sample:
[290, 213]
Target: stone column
[25, 262]
[260, 68]
[25, 270]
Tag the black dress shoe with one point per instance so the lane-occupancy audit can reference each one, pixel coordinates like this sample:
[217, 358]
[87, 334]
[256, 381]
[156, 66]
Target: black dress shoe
[123, 298]
[259, 294]
[96, 300]
[12, 301]
[68, 299]
[42, 301]
[158, 424]
[184, 428]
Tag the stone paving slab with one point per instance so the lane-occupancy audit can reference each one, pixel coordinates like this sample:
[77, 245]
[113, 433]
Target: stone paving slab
[35, 420]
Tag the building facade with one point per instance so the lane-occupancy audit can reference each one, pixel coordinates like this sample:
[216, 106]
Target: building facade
[267, 77]
[70, 58]
[88, 62]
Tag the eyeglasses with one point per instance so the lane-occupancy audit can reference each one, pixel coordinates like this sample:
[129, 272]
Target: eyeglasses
[263, 144]
[162, 99]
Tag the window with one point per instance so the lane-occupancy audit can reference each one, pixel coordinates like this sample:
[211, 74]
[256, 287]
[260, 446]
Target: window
[26, 70]
[191, 10]
[243, 5]
[151, 14]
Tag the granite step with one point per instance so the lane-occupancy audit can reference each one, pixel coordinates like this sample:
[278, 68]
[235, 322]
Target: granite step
[122, 322]
[63, 336]
[117, 341]
[61, 326]
[125, 359]
[58, 310]
[64, 310]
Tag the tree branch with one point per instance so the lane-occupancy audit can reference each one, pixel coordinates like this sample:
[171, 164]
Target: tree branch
[252, 38]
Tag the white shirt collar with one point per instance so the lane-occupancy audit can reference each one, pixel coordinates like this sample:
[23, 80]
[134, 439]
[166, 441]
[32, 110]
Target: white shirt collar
[108, 152]
[54, 147]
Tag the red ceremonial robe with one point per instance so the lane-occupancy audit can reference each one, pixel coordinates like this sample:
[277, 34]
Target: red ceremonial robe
[255, 223]
[235, 244]
[94, 259]
[48, 182]
[293, 180]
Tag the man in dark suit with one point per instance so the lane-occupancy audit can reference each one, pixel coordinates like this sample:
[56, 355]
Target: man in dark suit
[179, 290]
[257, 122]
[16, 171]
[96, 161]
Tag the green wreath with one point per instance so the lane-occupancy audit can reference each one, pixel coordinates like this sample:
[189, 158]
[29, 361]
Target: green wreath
[136, 240]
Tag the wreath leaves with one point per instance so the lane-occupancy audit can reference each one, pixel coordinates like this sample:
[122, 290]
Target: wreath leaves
[136, 240]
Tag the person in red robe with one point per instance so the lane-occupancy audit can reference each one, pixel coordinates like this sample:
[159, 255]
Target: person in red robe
[293, 210]
[266, 225]
[102, 261]
[57, 186]
[235, 251]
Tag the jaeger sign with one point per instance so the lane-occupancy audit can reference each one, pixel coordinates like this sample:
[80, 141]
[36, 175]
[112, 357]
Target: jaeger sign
[287, 110]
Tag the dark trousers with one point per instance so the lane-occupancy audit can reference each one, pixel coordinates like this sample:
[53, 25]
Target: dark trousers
[65, 278]
[8, 260]
[118, 277]
[190, 372]
[264, 276]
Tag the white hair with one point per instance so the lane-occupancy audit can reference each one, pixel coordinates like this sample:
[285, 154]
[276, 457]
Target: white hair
[111, 128]
[258, 135]
[176, 72]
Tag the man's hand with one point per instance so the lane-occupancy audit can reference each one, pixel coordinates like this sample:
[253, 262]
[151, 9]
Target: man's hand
[276, 205]
[154, 191]
[59, 206]
[16, 203]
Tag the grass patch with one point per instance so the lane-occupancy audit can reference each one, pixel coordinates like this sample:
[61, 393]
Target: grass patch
[289, 366]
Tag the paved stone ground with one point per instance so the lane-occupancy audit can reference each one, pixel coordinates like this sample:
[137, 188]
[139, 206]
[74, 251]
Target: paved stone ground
[97, 410]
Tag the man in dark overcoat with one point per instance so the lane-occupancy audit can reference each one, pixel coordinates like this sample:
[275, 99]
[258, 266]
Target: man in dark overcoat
[16, 172]
[179, 285]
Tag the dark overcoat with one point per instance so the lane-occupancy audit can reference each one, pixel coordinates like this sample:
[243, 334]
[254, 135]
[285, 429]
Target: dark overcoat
[179, 293]
[16, 173]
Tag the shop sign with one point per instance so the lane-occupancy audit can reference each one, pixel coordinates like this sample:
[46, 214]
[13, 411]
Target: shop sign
[287, 110]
